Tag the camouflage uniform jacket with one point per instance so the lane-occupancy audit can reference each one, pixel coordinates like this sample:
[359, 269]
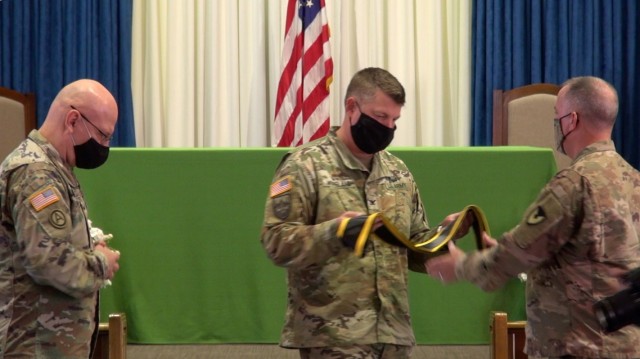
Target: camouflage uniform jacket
[49, 275]
[336, 298]
[575, 242]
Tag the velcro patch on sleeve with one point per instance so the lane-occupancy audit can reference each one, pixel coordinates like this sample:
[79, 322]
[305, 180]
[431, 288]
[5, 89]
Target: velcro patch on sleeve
[540, 220]
[280, 186]
[44, 198]
[536, 216]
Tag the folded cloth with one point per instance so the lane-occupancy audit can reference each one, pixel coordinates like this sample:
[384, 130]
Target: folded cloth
[354, 232]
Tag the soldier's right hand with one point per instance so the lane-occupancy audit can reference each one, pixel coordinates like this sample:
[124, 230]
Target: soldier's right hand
[349, 241]
[112, 259]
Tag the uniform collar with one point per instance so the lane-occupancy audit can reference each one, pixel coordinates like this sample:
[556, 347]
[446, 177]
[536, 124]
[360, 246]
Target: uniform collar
[600, 146]
[348, 159]
[54, 156]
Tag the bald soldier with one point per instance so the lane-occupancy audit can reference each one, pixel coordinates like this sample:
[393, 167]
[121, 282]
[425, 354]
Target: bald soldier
[575, 242]
[50, 271]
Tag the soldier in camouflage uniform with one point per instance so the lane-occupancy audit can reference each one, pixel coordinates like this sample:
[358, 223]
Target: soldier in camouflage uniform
[576, 241]
[50, 271]
[341, 305]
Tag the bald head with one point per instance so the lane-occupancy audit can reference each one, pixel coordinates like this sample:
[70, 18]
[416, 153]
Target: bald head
[89, 96]
[586, 110]
[594, 99]
[82, 110]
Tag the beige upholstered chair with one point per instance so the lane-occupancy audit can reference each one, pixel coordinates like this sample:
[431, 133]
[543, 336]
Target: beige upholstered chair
[112, 338]
[524, 117]
[507, 338]
[17, 119]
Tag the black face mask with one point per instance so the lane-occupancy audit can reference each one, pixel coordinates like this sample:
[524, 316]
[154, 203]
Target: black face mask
[90, 154]
[370, 135]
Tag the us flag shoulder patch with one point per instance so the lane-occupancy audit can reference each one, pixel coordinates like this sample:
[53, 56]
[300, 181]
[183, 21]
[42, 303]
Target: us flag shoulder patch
[44, 198]
[280, 186]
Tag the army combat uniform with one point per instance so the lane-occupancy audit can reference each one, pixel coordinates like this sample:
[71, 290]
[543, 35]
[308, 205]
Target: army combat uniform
[49, 275]
[335, 297]
[575, 242]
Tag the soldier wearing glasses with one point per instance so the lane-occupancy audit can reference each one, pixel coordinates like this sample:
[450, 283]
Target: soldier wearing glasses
[50, 269]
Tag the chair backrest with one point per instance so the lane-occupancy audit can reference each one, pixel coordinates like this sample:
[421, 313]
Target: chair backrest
[507, 338]
[523, 117]
[17, 118]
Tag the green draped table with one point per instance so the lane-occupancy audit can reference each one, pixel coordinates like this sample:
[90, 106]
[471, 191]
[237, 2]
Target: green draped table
[188, 221]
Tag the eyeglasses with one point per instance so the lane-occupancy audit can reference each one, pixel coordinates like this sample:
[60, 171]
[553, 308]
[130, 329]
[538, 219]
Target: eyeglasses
[105, 138]
[561, 117]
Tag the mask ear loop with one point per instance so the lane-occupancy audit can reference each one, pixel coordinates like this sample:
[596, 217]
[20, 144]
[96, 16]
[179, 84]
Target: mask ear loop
[564, 136]
[359, 110]
[86, 129]
[72, 139]
[577, 120]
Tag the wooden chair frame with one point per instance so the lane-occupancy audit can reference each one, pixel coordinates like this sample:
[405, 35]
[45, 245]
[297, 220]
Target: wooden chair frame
[28, 100]
[112, 338]
[501, 99]
[507, 338]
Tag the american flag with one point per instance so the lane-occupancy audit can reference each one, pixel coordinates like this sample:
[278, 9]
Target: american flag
[43, 198]
[279, 187]
[302, 103]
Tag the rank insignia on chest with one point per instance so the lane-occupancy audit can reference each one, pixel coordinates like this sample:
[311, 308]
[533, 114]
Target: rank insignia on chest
[44, 198]
[280, 186]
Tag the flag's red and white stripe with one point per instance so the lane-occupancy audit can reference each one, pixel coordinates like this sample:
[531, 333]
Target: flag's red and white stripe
[302, 103]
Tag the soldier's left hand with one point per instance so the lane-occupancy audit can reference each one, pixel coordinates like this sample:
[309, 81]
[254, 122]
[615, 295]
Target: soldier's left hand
[488, 241]
[443, 268]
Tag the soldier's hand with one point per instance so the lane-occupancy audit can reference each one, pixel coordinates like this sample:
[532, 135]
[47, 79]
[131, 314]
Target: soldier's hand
[443, 268]
[463, 229]
[349, 241]
[488, 241]
[349, 214]
[112, 259]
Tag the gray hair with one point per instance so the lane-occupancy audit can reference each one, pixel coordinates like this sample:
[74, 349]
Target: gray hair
[593, 98]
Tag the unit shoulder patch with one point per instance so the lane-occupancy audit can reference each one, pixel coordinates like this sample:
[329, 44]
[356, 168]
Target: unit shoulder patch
[536, 216]
[282, 206]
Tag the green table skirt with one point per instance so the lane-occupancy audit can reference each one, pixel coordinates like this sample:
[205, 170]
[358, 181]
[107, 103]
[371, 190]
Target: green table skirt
[187, 222]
